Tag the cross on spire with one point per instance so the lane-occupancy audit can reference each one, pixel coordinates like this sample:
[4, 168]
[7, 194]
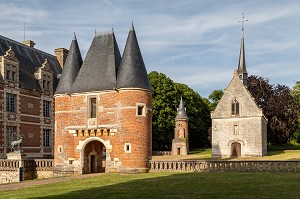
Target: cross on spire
[242, 21]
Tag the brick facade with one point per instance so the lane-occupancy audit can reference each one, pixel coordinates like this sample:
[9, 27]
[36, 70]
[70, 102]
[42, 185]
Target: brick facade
[118, 127]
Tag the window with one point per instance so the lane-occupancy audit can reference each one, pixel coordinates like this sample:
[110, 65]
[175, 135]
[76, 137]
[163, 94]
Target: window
[140, 110]
[93, 107]
[11, 134]
[46, 137]
[235, 107]
[7, 74]
[46, 108]
[13, 75]
[11, 103]
[127, 148]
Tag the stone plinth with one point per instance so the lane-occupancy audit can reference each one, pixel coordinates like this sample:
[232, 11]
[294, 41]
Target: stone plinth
[16, 156]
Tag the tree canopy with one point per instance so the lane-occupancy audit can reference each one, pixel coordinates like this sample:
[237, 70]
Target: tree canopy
[166, 98]
[279, 106]
[215, 96]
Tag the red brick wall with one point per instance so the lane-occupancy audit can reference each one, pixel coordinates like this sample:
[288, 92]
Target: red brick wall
[114, 108]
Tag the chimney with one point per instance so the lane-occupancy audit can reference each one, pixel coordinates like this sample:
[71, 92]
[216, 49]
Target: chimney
[61, 55]
[29, 43]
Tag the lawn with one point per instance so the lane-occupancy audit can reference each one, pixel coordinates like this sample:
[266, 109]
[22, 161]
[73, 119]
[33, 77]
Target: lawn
[282, 152]
[169, 185]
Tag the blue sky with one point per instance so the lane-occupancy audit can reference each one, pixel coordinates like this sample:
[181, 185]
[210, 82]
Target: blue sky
[195, 42]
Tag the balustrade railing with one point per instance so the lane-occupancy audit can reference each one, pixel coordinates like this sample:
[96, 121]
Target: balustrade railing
[225, 166]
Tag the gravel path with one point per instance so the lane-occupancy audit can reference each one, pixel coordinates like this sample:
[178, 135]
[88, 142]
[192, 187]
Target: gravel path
[30, 183]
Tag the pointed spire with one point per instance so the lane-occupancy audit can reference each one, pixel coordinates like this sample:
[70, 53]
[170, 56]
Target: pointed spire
[71, 68]
[181, 111]
[74, 38]
[242, 61]
[132, 72]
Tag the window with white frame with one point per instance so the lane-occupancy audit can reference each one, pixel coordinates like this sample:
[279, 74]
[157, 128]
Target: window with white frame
[127, 148]
[93, 107]
[141, 109]
[10, 102]
[11, 134]
[46, 137]
[46, 108]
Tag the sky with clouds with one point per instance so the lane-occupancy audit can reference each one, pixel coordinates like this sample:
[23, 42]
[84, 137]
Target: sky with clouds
[195, 42]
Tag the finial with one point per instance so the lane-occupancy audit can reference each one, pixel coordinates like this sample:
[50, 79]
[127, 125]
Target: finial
[242, 21]
[132, 27]
[112, 29]
[74, 38]
[95, 32]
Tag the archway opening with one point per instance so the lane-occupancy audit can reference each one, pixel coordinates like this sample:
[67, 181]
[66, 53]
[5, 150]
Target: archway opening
[235, 150]
[94, 157]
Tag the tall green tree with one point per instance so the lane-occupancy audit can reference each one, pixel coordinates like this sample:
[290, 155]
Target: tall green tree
[295, 92]
[279, 106]
[166, 98]
[215, 97]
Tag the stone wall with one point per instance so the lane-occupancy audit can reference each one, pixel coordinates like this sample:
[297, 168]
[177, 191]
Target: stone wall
[19, 170]
[224, 166]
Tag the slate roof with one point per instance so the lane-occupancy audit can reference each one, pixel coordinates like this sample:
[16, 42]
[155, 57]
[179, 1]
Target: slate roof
[30, 59]
[181, 112]
[71, 68]
[242, 60]
[99, 68]
[132, 71]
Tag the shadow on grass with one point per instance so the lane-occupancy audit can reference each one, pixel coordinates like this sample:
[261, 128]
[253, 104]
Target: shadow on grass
[187, 185]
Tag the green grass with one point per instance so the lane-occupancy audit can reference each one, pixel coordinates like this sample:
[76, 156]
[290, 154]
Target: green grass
[169, 185]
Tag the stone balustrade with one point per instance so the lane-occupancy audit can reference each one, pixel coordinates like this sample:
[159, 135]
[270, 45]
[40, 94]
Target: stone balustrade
[225, 166]
[9, 165]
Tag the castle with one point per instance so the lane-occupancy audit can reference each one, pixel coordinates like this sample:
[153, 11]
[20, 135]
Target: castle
[28, 79]
[103, 115]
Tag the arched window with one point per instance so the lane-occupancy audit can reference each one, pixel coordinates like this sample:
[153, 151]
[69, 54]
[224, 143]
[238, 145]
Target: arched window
[235, 109]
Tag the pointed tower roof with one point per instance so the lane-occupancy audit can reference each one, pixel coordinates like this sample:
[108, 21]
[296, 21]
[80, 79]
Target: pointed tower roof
[99, 68]
[181, 112]
[71, 68]
[132, 71]
[242, 60]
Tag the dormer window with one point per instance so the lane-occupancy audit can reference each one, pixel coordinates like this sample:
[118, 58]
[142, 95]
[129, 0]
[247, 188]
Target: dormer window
[44, 75]
[235, 109]
[9, 66]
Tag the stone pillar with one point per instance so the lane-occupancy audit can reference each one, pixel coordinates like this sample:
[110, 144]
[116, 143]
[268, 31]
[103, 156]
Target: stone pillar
[21, 157]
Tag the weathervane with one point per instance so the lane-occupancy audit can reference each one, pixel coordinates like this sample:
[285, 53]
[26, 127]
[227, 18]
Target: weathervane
[243, 21]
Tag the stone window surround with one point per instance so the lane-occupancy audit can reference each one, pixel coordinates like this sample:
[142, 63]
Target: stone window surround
[141, 109]
[127, 147]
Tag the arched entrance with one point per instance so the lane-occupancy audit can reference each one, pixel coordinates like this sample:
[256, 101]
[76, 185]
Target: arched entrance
[94, 157]
[235, 149]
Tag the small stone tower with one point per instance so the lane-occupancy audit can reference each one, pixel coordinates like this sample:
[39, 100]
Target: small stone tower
[180, 143]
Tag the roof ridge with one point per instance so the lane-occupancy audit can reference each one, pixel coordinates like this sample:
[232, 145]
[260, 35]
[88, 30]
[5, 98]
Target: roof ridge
[28, 47]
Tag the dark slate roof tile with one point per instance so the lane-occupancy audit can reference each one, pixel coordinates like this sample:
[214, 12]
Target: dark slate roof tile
[181, 112]
[30, 59]
[71, 68]
[99, 68]
[132, 71]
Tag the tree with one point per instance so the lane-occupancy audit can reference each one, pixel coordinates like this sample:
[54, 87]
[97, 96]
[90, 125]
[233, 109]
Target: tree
[295, 92]
[215, 96]
[279, 106]
[165, 101]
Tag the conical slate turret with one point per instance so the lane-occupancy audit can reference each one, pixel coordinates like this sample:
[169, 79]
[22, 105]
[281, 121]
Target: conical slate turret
[181, 112]
[71, 68]
[132, 72]
[242, 71]
[99, 68]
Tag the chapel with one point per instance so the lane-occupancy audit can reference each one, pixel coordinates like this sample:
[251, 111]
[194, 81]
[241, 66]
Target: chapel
[239, 127]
